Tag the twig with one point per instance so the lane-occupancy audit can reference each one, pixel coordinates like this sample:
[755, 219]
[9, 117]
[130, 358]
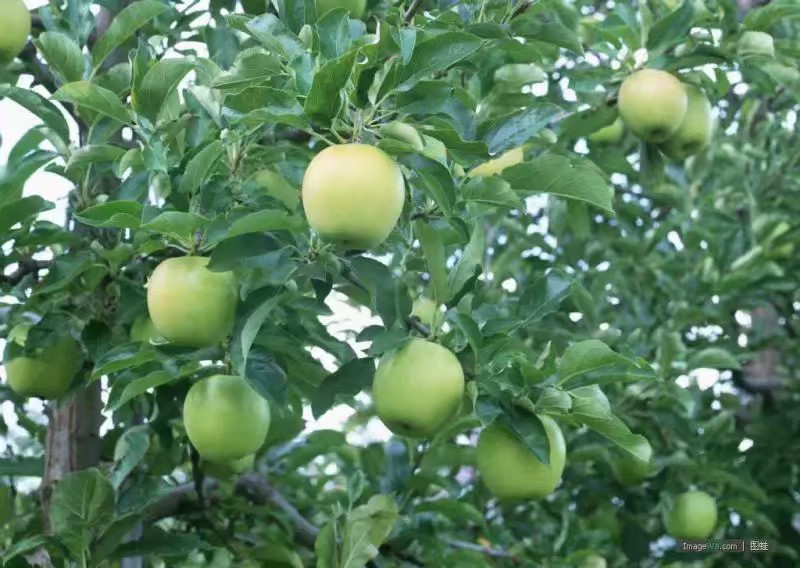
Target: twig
[409, 15]
[26, 266]
[488, 551]
[197, 476]
[414, 323]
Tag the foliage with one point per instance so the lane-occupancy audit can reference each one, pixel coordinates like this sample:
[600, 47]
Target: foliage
[588, 283]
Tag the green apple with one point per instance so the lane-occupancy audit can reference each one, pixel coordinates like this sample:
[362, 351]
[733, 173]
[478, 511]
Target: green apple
[610, 134]
[497, 165]
[694, 132]
[693, 516]
[427, 312]
[417, 388]
[511, 471]
[355, 7]
[189, 304]
[630, 471]
[142, 329]
[254, 7]
[353, 195]
[756, 43]
[403, 132]
[594, 561]
[225, 470]
[14, 29]
[49, 372]
[652, 104]
[225, 419]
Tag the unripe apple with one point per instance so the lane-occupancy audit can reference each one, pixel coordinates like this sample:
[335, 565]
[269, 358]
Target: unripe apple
[497, 165]
[610, 134]
[652, 104]
[427, 311]
[693, 516]
[14, 28]
[225, 470]
[756, 43]
[225, 419]
[48, 374]
[404, 132]
[189, 304]
[353, 195]
[511, 471]
[142, 329]
[630, 471]
[694, 132]
[594, 561]
[417, 388]
[355, 7]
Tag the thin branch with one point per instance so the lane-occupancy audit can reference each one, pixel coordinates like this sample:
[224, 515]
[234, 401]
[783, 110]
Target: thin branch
[487, 550]
[26, 266]
[41, 72]
[414, 323]
[409, 15]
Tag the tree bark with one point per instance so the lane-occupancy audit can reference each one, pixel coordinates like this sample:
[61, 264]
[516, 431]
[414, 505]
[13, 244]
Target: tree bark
[73, 439]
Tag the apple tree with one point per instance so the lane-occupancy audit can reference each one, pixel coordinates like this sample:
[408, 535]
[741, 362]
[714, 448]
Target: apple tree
[392, 284]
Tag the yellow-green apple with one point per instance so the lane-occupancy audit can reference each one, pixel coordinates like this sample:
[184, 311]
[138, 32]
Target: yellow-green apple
[353, 195]
[417, 388]
[225, 419]
[610, 134]
[49, 372]
[14, 28]
[189, 304]
[694, 132]
[693, 516]
[652, 104]
[224, 470]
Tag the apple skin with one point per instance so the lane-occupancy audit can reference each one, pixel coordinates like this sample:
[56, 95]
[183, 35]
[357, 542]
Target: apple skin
[226, 470]
[511, 471]
[652, 104]
[496, 166]
[142, 330]
[15, 29]
[403, 132]
[189, 304]
[694, 133]
[49, 373]
[355, 7]
[426, 311]
[417, 388]
[692, 517]
[225, 419]
[610, 134]
[353, 195]
[629, 471]
[756, 43]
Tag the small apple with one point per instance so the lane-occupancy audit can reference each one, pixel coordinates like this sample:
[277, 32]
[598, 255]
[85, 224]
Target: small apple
[403, 132]
[14, 30]
[630, 471]
[594, 561]
[355, 7]
[427, 311]
[511, 471]
[756, 43]
[694, 132]
[225, 470]
[353, 195]
[142, 329]
[225, 419]
[49, 373]
[610, 134]
[496, 166]
[652, 104]
[417, 388]
[693, 516]
[189, 304]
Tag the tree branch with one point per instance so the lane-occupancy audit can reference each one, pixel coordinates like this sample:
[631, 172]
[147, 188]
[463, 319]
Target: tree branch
[488, 551]
[409, 15]
[26, 266]
[414, 323]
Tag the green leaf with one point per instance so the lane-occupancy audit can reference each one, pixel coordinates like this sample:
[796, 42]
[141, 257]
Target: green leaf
[492, 191]
[65, 270]
[333, 29]
[81, 502]
[672, 29]
[437, 54]
[453, 509]
[366, 528]
[200, 167]
[22, 467]
[253, 324]
[117, 214]
[21, 210]
[123, 26]
[26, 545]
[16, 175]
[517, 127]
[159, 82]
[325, 546]
[377, 279]
[530, 26]
[158, 542]
[121, 357]
[266, 221]
[434, 254]
[88, 95]
[587, 121]
[558, 175]
[93, 154]
[713, 358]
[468, 267]
[41, 107]
[764, 17]
[269, 31]
[137, 387]
[585, 357]
[325, 98]
[62, 55]
[349, 380]
[591, 407]
[553, 401]
[278, 188]
[177, 225]
[129, 451]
